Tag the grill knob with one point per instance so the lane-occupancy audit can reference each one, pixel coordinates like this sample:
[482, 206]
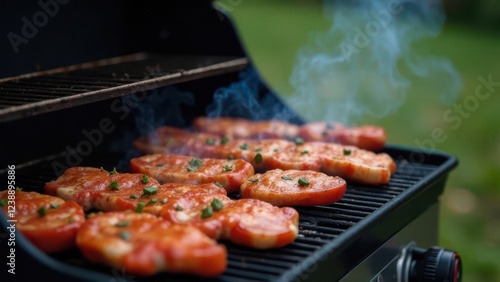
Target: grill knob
[435, 264]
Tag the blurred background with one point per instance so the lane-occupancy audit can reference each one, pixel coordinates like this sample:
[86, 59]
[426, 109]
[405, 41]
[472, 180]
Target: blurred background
[274, 32]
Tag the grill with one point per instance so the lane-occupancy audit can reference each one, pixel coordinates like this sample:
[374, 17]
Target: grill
[372, 233]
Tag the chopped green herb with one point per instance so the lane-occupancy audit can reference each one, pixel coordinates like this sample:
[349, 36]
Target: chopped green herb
[125, 235]
[298, 141]
[134, 196]
[210, 141]
[276, 149]
[227, 168]
[304, 152]
[218, 184]
[244, 146]
[140, 207]
[207, 212]
[286, 177]
[303, 181]
[41, 211]
[150, 190]
[71, 220]
[54, 206]
[153, 201]
[230, 157]
[113, 171]
[347, 152]
[114, 185]
[253, 180]
[258, 150]
[258, 158]
[178, 208]
[159, 164]
[145, 178]
[224, 140]
[217, 204]
[194, 164]
[163, 201]
[124, 223]
[3, 202]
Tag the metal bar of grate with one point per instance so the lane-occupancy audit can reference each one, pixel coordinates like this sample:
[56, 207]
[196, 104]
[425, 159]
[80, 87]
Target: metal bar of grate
[91, 82]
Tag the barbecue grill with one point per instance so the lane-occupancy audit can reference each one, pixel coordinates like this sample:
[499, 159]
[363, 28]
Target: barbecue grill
[83, 79]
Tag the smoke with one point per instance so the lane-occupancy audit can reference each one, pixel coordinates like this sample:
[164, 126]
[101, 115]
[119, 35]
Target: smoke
[158, 107]
[364, 65]
[246, 98]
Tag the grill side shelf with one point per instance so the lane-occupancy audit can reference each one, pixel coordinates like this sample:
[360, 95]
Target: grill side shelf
[43, 92]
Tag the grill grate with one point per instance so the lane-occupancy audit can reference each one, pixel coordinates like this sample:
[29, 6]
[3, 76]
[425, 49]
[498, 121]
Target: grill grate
[319, 226]
[43, 92]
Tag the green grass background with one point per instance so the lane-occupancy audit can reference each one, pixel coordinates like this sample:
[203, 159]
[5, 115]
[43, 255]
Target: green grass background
[273, 31]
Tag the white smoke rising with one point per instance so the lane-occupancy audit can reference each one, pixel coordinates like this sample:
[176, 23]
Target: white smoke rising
[364, 64]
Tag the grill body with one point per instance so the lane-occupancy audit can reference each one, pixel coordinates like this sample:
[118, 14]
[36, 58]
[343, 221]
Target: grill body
[100, 74]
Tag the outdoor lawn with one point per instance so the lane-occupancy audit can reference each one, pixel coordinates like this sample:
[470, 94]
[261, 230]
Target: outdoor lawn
[273, 31]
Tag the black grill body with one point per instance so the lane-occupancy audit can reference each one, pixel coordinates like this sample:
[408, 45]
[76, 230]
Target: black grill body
[156, 63]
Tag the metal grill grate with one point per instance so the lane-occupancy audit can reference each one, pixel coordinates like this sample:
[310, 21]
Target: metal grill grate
[37, 93]
[319, 226]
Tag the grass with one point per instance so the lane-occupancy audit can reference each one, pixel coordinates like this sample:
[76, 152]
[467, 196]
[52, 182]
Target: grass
[273, 31]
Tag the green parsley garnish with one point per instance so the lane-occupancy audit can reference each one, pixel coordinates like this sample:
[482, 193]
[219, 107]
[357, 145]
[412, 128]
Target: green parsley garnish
[253, 180]
[303, 181]
[207, 212]
[114, 185]
[224, 140]
[113, 171]
[258, 158]
[125, 235]
[178, 208]
[134, 196]
[304, 152]
[159, 164]
[244, 146]
[227, 168]
[258, 150]
[71, 220]
[150, 190]
[124, 223]
[286, 177]
[217, 204]
[41, 211]
[3, 202]
[218, 184]
[298, 141]
[230, 157]
[276, 149]
[194, 164]
[153, 201]
[145, 178]
[139, 208]
[54, 206]
[210, 141]
[347, 152]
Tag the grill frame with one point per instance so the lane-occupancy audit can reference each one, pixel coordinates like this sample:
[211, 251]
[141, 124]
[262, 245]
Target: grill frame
[380, 213]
